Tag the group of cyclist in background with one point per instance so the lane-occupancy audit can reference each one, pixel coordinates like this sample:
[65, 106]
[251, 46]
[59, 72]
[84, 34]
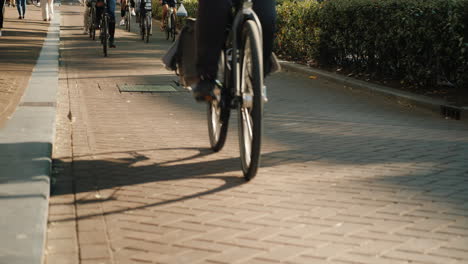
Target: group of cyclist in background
[212, 20]
[136, 8]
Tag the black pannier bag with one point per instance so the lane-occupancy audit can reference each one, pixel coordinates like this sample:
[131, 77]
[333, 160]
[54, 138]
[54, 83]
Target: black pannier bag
[181, 56]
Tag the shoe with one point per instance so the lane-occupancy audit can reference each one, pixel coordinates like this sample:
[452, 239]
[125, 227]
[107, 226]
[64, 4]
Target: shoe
[45, 19]
[20, 17]
[112, 45]
[203, 90]
[133, 12]
[122, 22]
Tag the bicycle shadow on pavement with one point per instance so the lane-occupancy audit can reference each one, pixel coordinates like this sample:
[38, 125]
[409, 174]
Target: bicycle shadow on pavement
[100, 180]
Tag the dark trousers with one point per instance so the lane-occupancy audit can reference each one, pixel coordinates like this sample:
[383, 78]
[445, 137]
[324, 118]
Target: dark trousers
[212, 20]
[2, 9]
[111, 22]
[21, 6]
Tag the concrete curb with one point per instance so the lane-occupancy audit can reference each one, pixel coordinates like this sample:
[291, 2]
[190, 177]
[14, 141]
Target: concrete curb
[25, 160]
[401, 97]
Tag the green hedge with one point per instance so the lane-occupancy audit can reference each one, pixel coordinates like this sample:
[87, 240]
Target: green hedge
[297, 30]
[420, 41]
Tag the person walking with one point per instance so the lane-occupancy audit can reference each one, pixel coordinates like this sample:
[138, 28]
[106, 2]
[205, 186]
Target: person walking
[2, 11]
[47, 7]
[21, 6]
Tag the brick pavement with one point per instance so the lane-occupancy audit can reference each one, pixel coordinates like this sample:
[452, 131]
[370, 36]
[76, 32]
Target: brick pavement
[20, 45]
[345, 178]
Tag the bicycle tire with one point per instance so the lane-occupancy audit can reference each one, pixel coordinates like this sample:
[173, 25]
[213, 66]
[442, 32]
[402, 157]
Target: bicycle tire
[250, 114]
[92, 27]
[105, 35]
[218, 111]
[148, 27]
[90, 24]
[128, 19]
[168, 27]
[173, 27]
[142, 28]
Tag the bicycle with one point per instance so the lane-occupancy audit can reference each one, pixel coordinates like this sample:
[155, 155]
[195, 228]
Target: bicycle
[92, 19]
[128, 17]
[171, 24]
[104, 28]
[146, 20]
[240, 86]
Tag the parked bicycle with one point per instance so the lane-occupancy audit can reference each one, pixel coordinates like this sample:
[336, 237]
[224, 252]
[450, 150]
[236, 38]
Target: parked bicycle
[241, 87]
[146, 20]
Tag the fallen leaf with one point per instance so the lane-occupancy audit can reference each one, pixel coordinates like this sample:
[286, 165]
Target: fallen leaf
[313, 77]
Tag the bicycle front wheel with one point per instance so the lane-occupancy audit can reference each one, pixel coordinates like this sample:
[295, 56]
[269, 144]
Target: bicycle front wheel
[148, 27]
[168, 27]
[142, 28]
[127, 19]
[173, 27]
[250, 108]
[104, 35]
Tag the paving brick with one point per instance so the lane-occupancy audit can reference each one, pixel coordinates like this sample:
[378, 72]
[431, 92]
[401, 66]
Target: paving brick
[366, 259]
[95, 251]
[63, 245]
[374, 248]
[459, 254]
[61, 258]
[92, 237]
[234, 255]
[414, 257]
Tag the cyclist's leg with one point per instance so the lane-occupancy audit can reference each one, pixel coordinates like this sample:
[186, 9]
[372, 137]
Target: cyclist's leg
[132, 7]
[210, 35]
[266, 12]
[86, 18]
[111, 12]
[123, 4]
[99, 12]
[164, 12]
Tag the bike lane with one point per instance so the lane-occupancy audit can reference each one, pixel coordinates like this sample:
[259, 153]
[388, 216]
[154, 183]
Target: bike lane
[345, 178]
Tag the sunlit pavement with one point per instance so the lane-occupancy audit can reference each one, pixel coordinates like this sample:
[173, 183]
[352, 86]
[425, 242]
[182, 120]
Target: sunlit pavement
[345, 178]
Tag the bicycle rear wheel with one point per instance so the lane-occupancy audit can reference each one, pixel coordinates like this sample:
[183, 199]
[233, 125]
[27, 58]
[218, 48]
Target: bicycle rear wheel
[219, 111]
[250, 110]
[168, 27]
[127, 19]
[104, 34]
[142, 28]
[173, 27]
[93, 24]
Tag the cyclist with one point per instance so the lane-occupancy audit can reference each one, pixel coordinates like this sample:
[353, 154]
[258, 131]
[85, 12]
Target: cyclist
[212, 20]
[111, 12]
[166, 4]
[123, 5]
[87, 9]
